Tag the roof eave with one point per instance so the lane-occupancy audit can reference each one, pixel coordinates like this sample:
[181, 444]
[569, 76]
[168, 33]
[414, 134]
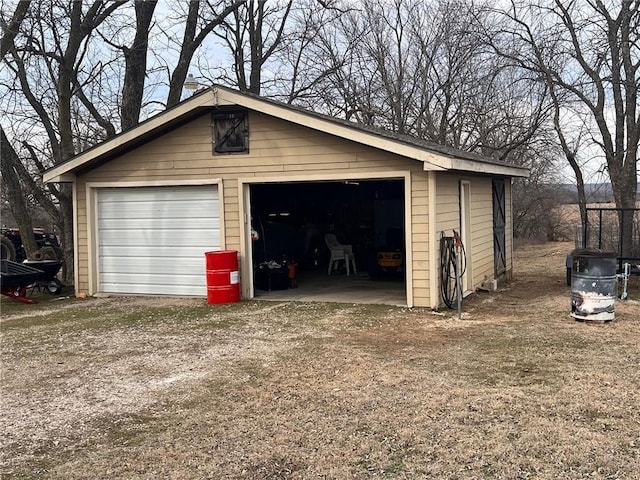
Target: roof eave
[217, 95]
[64, 172]
[432, 160]
[63, 178]
[488, 168]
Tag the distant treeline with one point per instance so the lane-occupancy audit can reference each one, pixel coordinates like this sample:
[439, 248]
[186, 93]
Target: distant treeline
[596, 193]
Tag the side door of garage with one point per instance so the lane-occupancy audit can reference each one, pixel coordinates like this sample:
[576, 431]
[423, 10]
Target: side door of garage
[152, 240]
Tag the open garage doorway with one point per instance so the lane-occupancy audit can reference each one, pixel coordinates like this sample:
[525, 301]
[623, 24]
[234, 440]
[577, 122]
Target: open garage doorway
[290, 257]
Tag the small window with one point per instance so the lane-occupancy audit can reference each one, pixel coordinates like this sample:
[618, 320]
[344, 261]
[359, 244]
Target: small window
[230, 132]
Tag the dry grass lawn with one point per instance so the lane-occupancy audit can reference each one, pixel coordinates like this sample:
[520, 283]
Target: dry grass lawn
[140, 389]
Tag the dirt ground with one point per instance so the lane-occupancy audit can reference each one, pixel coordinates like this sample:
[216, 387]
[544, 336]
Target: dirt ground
[141, 389]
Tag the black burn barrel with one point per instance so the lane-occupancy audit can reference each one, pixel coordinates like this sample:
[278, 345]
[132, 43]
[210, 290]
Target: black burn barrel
[593, 285]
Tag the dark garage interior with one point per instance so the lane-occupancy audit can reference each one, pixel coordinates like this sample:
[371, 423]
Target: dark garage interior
[290, 221]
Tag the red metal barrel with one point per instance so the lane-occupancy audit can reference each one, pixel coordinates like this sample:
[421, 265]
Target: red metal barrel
[223, 279]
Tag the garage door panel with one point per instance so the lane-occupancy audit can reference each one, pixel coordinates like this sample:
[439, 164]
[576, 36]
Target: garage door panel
[178, 209]
[124, 251]
[152, 200]
[160, 279]
[153, 266]
[163, 238]
[187, 222]
[158, 193]
[152, 240]
[153, 289]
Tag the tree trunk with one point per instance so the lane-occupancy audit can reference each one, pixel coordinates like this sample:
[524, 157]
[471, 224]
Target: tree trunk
[17, 199]
[66, 232]
[190, 42]
[11, 29]
[625, 187]
[246, 40]
[136, 65]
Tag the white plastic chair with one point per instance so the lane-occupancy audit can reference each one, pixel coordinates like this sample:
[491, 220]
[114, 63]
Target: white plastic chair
[339, 252]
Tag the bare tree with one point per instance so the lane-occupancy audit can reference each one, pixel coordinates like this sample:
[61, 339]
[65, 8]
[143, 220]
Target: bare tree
[421, 68]
[309, 55]
[58, 49]
[537, 200]
[253, 33]
[9, 167]
[10, 27]
[65, 63]
[589, 53]
[194, 34]
[425, 69]
[136, 65]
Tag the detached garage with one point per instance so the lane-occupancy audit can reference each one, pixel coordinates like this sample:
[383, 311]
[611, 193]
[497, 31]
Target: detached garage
[230, 170]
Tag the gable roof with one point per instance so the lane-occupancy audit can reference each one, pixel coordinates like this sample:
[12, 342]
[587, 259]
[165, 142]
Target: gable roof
[433, 156]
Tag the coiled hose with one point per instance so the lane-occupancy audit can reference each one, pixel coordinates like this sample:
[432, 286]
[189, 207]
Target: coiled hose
[448, 279]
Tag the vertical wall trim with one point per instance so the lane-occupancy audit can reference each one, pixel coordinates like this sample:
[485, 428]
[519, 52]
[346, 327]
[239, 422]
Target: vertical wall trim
[223, 227]
[434, 299]
[466, 233]
[76, 257]
[246, 254]
[510, 232]
[91, 199]
[408, 237]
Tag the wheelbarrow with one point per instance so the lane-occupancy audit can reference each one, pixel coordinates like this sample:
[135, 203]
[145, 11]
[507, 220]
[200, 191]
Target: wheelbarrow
[47, 279]
[15, 278]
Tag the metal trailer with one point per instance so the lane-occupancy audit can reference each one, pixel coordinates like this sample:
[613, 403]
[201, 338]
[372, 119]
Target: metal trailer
[603, 231]
[15, 278]
[48, 280]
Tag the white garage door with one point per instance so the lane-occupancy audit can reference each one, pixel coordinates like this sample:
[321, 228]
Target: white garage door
[152, 240]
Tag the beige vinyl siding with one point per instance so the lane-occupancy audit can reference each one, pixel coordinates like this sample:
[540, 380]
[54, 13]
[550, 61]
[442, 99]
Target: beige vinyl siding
[231, 214]
[448, 219]
[448, 203]
[482, 229]
[420, 238]
[447, 212]
[82, 251]
[278, 150]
